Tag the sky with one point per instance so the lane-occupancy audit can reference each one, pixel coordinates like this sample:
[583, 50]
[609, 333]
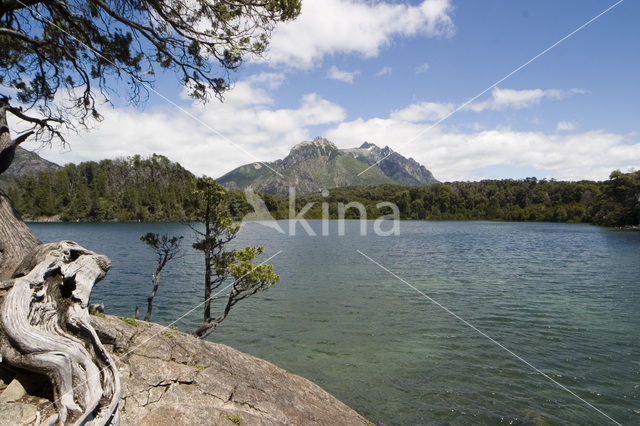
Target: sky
[441, 81]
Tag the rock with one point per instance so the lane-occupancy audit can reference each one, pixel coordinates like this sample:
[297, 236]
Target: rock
[13, 392]
[18, 414]
[96, 308]
[170, 378]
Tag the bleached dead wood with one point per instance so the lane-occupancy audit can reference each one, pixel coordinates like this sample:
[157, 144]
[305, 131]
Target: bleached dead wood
[45, 328]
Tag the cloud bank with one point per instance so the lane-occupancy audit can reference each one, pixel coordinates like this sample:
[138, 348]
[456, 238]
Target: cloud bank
[328, 27]
[248, 128]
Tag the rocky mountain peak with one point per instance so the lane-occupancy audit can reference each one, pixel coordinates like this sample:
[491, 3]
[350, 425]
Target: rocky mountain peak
[319, 163]
[319, 143]
[316, 148]
[367, 145]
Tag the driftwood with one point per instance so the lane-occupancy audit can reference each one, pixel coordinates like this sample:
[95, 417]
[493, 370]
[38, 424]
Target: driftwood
[44, 328]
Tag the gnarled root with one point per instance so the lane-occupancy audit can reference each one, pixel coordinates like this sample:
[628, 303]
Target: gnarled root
[45, 329]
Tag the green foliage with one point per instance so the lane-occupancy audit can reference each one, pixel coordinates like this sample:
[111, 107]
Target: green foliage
[162, 245]
[155, 189]
[506, 200]
[130, 321]
[619, 202]
[197, 366]
[167, 334]
[131, 189]
[249, 278]
[222, 263]
[78, 46]
[235, 419]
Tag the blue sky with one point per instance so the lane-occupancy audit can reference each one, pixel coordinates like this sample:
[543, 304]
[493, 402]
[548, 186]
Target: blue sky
[386, 72]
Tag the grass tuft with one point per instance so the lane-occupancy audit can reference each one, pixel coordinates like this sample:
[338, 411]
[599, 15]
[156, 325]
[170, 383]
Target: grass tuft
[130, 321]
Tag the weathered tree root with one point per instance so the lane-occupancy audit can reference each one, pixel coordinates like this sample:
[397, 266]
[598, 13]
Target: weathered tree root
[44, 324]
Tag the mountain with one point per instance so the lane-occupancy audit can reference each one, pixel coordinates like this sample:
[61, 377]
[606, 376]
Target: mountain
[319, 164]
[405, 171]
[26, 163]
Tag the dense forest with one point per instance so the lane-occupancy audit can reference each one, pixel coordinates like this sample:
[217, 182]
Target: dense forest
[131, 189]
[155, 189]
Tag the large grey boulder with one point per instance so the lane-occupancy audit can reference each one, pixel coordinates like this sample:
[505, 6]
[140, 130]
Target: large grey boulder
[172, 378]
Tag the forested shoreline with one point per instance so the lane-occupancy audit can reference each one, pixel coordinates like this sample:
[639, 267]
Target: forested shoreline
[156, 189]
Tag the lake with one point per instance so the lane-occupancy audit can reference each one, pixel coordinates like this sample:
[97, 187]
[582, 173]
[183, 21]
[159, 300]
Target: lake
[563, 297]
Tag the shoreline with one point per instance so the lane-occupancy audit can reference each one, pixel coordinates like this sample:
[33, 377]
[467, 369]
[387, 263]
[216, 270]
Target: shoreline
[56, 220]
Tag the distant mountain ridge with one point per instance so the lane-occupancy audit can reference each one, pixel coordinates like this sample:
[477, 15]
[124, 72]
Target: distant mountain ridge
[26, 163]
[319, 164]
[405, 171]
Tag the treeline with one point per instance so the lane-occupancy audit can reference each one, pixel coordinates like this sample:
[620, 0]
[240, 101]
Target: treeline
[131, 189]
[155, 189]
[619, 202]
[615, 202]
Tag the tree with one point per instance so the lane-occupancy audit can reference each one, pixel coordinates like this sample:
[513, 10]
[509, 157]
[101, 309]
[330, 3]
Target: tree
[165, 249]
[87, 48]
[619, 202]
[222, 264]
[59, 59]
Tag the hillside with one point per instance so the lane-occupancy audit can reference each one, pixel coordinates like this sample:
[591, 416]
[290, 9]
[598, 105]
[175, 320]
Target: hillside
[319, 164]
[404, 171]
[25, 163]
[127, 189]
[156, 189]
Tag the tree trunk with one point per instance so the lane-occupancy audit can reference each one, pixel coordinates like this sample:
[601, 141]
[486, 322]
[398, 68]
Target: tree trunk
[207, 262]
[44, 321]
[209, 326]
[16, 239]
[156, 282]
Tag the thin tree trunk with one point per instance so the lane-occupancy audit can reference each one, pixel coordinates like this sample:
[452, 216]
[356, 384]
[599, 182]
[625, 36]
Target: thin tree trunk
[156, 282]
[207, 263]
[210, 326]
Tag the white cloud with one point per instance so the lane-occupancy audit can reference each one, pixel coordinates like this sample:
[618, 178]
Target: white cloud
[423, 111]
[565, 126]
[249, 128]
[518, 99]
[327, 27]
[271, 80]
[243, 129]
[345, 76]
[464, 155]
[384, 71]
[422, 68]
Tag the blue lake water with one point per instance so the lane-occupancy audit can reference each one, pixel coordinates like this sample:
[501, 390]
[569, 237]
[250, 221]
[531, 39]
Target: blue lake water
[563, 297]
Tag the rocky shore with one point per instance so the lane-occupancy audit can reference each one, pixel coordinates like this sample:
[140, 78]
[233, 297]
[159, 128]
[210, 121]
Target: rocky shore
[172, 378]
